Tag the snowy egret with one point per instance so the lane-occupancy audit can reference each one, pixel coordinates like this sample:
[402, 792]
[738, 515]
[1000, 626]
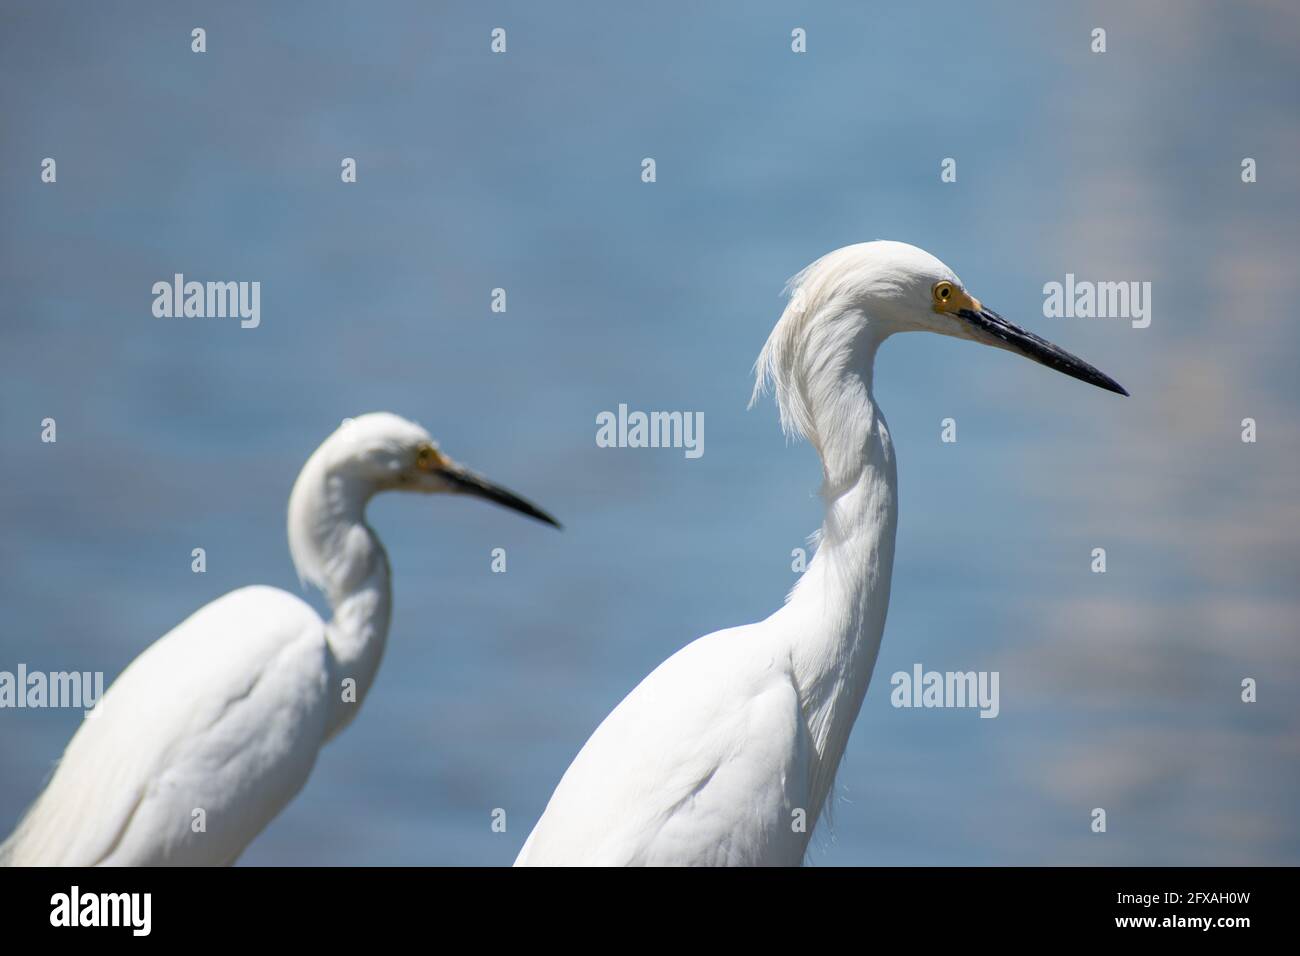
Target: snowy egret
[215, 727]
[726, 753]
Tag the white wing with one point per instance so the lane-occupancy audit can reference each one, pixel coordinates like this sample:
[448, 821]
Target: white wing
[705, 763]
[224, 714]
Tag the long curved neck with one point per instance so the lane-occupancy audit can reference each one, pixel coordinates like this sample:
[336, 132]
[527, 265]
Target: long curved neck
[841, 601]
[338, 552]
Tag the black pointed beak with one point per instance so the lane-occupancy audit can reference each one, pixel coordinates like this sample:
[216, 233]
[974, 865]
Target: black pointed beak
[464, 481]
[989, 327]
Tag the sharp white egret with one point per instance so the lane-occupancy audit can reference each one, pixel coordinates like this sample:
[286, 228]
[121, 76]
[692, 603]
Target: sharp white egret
[726, 753]
[215, 727]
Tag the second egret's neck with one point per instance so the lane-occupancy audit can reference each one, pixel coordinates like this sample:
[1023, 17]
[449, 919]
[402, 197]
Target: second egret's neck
[336, 550]
[837, 610]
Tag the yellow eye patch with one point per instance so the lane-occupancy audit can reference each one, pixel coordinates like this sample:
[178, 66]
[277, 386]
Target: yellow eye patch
[950, 297]
[428, 458]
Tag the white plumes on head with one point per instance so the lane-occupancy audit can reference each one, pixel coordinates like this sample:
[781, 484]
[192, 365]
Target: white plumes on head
[818, 360]
[801, 342]
[815, 340]
[370, 436]
[331, 492]
[775, 363]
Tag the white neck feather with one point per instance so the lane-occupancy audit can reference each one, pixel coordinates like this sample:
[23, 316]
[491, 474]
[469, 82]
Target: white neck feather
[835, 616]
[334, 549]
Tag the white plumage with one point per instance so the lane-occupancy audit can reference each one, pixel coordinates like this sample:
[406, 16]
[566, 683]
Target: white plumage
[215, 727]
[727, 752]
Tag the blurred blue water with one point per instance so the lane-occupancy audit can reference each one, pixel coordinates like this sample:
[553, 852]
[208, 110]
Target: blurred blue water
[522, 171]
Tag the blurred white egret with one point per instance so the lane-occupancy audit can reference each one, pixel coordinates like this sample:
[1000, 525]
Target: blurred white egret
[220, 720]
[726, 753]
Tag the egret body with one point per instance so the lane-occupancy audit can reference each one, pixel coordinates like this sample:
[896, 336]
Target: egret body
[221, 719]
[726, 753]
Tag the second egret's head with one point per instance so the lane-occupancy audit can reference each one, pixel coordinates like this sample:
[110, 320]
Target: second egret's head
[385, 452]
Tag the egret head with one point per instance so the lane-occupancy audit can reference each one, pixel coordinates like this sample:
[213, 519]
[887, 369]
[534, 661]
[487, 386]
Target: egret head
[900, 288]
[850, 300]
[385, 452]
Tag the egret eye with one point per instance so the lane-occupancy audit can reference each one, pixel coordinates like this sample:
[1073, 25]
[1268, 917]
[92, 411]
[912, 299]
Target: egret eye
[427, 457]
[943, 292]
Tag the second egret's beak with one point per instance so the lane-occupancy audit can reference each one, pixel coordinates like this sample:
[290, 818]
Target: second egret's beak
[464, 481]
[985, 325]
